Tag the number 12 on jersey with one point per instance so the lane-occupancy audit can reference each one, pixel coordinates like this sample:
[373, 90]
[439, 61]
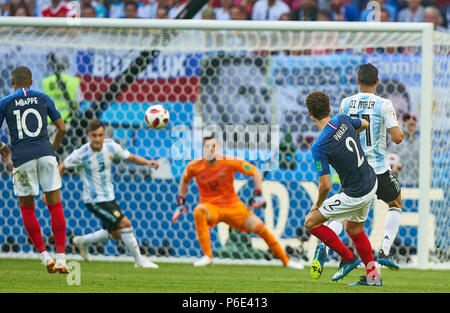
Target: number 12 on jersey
[368, 135]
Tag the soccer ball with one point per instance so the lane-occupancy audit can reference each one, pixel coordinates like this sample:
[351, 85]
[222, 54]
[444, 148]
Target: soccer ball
[156, 116]
[394, 162]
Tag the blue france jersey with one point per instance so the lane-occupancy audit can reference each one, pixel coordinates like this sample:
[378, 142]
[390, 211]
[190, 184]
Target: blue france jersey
[338, 145]
[26, 113]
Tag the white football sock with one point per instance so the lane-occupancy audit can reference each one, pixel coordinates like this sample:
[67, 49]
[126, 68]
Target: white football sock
[101, 235]
[131, 243]
[336, 227]
[391, 225]
[61, 256]
[44, 255]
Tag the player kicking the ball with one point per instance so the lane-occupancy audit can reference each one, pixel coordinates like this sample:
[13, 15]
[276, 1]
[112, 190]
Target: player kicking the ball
[219, 202]
[35, 162]
[94, 159]
[338, 145]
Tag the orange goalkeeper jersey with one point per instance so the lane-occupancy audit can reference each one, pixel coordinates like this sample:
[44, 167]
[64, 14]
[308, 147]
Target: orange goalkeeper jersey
[215, 182]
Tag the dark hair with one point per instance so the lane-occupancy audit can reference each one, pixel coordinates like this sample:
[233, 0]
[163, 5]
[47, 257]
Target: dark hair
[127, 3]
[208, 137]
[318, 104]
[94, 125]
[163, 7]
[88, 6]
[368, 74]
[14, 8]
[324, 12]
[21, 75]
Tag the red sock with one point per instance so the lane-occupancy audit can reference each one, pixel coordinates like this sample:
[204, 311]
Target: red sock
[364, 249]
[32, 226]
[332, 241]
[58, 224]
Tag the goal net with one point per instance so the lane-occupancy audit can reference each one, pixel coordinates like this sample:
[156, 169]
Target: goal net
[247, 82]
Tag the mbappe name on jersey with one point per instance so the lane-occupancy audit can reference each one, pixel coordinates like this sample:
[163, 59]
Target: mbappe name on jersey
[29, 100]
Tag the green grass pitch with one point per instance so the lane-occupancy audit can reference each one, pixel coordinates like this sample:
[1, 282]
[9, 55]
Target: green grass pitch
[29, 276]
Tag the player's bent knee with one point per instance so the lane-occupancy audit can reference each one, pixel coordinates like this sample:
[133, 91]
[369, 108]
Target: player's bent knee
[116, 234]
[396, 205]
[314, 219]
[124, 222]
[252, 222]
[53, 197]
[256, 229]
[309, 222]
[353, 228]
[200, 210]
[26, 200]
[352, 231]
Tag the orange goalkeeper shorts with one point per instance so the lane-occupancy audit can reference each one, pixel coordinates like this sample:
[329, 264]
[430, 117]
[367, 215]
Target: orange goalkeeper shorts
[234, 214]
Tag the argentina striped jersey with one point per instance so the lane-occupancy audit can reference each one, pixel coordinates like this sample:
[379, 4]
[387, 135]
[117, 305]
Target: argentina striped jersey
[95, 169]
[380, 114]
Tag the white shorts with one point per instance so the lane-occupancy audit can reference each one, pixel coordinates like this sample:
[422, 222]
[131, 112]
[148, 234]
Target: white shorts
[28, 176]
[341, 207]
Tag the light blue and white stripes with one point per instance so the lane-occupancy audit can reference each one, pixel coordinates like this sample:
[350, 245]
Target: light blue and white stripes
[379, 114]
[95, 169]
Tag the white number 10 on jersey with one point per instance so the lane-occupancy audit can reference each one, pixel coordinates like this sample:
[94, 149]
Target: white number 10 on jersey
[22, 125]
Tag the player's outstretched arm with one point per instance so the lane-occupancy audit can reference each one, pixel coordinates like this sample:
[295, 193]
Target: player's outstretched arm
[135, 159]
[60, 133]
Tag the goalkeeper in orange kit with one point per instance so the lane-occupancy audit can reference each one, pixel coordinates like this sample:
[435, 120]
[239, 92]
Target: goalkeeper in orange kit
[219, 201]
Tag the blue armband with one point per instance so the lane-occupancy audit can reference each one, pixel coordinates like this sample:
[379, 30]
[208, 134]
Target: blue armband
[402, 128]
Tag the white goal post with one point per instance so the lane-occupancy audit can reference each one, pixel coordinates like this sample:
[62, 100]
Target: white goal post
[233, 37]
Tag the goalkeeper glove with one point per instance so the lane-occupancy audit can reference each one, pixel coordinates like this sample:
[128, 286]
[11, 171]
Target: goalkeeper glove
[181, 208]
[257, 201]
